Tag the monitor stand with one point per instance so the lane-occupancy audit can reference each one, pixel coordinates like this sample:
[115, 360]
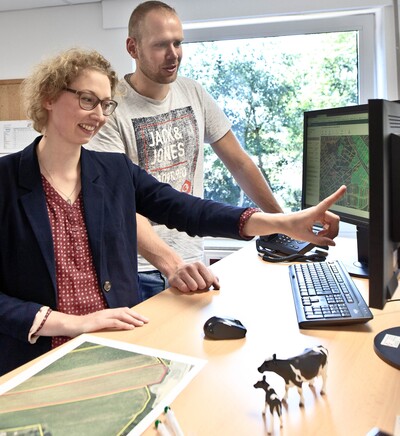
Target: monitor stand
[387, 346]
[359, 267]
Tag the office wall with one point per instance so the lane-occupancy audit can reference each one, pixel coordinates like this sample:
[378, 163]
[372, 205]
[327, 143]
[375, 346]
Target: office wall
[27, 36]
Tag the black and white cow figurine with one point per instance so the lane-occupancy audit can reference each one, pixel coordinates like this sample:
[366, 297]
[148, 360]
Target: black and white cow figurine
[302, 368]
[272, 401]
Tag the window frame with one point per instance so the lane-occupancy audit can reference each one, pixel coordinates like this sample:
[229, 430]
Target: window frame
[364, 23]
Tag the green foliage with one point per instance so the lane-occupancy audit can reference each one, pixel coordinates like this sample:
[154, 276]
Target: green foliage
[264, 85]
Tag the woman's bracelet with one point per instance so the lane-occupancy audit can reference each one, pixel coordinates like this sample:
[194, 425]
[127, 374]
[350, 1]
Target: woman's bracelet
[43, 321]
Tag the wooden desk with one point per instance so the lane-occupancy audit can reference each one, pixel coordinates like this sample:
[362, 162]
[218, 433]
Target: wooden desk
[362, 391]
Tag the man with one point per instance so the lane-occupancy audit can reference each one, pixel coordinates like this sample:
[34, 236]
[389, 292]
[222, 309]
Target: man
[161, 123]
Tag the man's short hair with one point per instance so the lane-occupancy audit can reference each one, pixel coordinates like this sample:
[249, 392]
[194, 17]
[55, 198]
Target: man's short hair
[139, 13]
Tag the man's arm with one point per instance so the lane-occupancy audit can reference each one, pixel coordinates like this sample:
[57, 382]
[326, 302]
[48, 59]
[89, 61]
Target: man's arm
[245, 172]
[185, 277]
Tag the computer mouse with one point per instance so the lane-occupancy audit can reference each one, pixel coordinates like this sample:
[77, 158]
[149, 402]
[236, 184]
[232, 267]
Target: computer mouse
[224, 328]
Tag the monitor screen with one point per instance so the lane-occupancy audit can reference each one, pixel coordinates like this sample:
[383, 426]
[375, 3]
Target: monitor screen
[335, 153]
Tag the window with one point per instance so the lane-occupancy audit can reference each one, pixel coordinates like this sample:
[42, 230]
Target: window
[264, 83]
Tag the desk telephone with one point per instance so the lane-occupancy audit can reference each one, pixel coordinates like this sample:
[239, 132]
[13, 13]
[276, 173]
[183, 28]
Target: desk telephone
[282, 244]
[281, 248]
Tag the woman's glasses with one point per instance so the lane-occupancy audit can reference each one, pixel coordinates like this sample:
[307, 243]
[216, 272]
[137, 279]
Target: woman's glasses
[88, 101]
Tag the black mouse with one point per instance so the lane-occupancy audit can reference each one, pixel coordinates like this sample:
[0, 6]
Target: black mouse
[224, 328]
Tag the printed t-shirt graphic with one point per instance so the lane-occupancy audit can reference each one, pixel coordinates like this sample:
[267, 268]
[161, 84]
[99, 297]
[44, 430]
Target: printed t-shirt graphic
[168, 147]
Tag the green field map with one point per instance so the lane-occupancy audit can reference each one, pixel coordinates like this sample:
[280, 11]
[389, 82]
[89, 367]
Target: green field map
[345, 161]
[94, 389]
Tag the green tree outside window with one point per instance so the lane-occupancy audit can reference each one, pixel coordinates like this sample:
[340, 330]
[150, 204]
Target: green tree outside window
[264, 85]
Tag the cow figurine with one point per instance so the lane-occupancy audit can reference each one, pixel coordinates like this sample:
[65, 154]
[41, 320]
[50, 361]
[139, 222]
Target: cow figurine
[296, 370]
[271, 400]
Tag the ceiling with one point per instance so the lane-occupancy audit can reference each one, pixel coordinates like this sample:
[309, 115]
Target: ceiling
[15, 5]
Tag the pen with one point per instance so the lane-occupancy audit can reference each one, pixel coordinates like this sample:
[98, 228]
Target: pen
[161, 429]
[172, 421]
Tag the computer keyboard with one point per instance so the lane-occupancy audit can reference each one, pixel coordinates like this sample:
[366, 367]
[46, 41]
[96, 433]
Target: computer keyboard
[325, 295]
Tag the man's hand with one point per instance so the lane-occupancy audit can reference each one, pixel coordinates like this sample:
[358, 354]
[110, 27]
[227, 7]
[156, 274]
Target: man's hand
[184, 277]
[193, 277]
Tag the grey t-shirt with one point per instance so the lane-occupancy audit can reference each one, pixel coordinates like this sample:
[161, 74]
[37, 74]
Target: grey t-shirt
[166, 138]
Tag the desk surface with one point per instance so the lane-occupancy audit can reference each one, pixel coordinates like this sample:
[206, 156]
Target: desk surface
[362, 391]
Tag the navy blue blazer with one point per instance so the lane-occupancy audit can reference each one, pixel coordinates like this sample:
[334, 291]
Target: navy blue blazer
[113, 190]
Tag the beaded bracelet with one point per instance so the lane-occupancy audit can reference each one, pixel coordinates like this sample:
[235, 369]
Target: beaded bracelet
[244, 217]
[43, 321]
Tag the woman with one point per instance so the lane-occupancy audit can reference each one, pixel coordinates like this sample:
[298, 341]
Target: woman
[68, 256]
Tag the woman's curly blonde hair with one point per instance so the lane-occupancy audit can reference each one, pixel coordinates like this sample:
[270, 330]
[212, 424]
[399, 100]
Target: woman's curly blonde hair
[50, 77]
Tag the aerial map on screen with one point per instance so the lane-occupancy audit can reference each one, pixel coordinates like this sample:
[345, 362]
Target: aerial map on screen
[345, 161]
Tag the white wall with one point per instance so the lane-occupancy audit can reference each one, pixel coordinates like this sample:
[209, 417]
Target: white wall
[28, 36]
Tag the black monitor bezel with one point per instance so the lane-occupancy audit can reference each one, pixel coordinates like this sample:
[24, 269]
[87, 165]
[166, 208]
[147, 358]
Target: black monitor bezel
[384, 128]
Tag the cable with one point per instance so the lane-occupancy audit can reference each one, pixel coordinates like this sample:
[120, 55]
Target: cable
[276, 258]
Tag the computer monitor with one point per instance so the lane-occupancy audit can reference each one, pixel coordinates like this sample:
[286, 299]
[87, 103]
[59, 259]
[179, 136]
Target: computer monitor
[335, 153]
[359, 146]
[384, 227]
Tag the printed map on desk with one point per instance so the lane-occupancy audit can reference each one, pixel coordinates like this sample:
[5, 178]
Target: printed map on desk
[94, 386]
